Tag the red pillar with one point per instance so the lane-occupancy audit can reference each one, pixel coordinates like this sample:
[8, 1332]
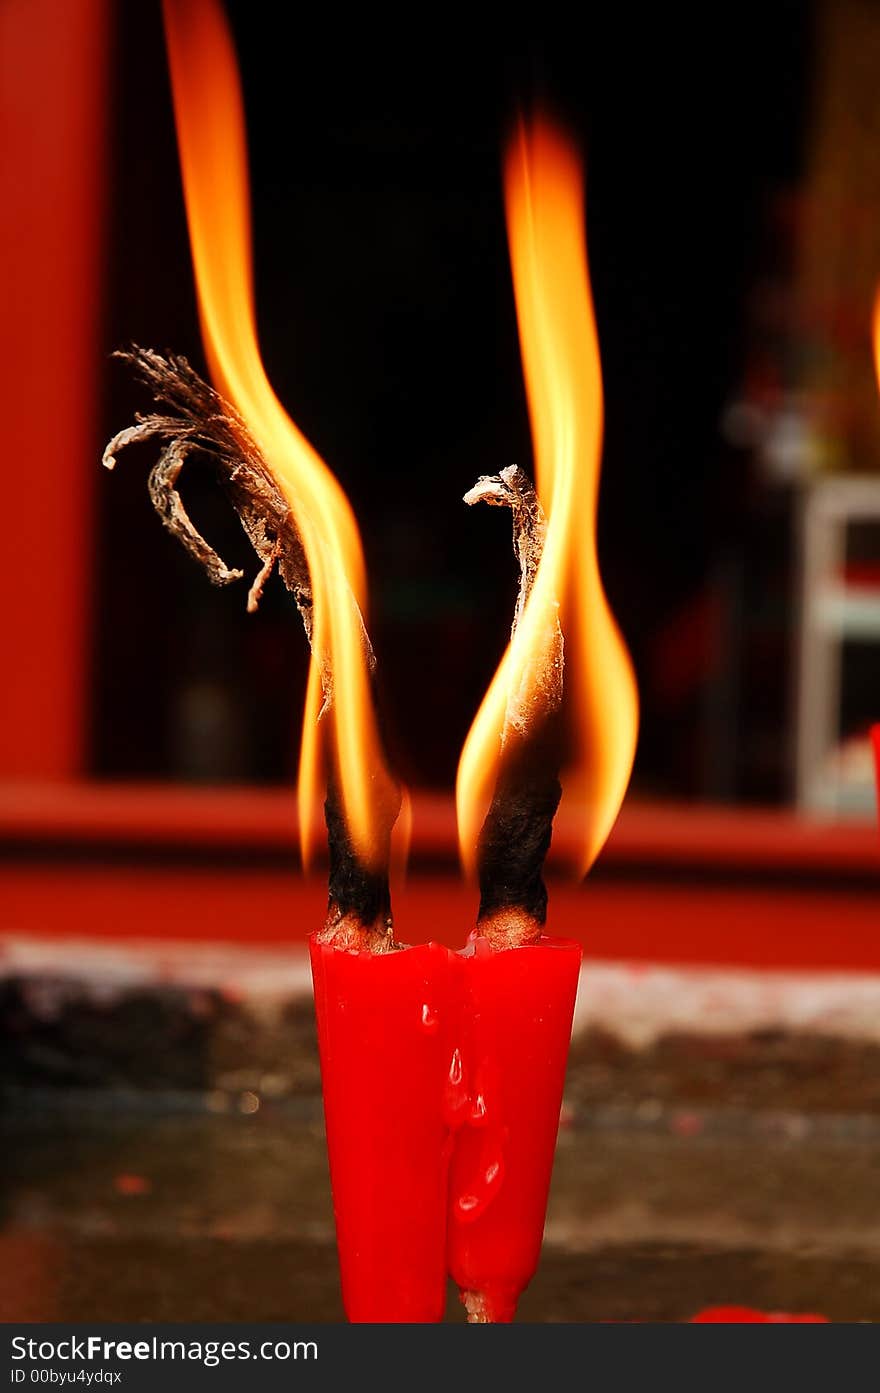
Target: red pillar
[53, 195]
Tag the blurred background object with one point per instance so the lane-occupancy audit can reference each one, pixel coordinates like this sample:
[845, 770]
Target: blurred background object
[734, 330]
[734, 254]
[54, 181]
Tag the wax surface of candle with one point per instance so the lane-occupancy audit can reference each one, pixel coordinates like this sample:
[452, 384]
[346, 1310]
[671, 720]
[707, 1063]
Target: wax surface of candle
[516, 1012]
[384, 1061]
[442, 1077]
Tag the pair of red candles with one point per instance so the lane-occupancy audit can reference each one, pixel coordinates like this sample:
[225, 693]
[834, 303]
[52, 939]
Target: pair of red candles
[442, 1076]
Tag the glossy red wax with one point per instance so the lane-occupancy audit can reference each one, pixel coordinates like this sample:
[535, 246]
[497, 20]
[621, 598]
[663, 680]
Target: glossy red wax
[504, 1094]
[384, 1051]
[442, 1075]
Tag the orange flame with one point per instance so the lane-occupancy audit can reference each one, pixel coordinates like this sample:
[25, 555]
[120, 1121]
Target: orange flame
[544, 198]
[875, 334]
[211, 137]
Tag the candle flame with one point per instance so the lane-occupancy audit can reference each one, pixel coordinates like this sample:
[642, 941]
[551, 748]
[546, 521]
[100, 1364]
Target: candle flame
[875, 334]
[544, 198]
[211, 138]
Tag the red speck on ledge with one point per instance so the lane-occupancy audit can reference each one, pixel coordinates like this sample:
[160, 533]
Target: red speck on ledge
[132, 1185]
[745, 1315]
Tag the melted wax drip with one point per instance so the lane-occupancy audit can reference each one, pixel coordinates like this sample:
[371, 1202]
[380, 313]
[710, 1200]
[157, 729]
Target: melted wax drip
[478, 1142]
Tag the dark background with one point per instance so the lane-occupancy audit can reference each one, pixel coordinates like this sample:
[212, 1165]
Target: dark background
[387, 324]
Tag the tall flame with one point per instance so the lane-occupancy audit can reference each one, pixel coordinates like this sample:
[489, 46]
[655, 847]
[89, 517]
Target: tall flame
[211, 137]
[544, 198]
[875, 334]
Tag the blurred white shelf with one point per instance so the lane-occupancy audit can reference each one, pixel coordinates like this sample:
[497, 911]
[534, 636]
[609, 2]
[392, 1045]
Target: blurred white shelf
[839, 800]
[849, 610]
[832, 613]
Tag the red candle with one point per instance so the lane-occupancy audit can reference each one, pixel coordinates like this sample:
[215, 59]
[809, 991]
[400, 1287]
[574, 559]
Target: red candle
[383, 1024]
[442, 1073]
[517, 1007]
[442, 1078]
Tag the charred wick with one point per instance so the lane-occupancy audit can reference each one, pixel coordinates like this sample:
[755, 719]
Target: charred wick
[516, 833]
[358, 899]
[197, 420]
[515, 838]
[200, 421]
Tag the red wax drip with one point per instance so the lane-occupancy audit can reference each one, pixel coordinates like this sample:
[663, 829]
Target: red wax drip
[442, 1078]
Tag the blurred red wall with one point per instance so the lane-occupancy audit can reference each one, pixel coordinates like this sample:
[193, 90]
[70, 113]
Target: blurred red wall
[53, 188]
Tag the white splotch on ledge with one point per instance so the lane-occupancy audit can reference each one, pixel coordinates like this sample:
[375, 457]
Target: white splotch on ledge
[638, 1003]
